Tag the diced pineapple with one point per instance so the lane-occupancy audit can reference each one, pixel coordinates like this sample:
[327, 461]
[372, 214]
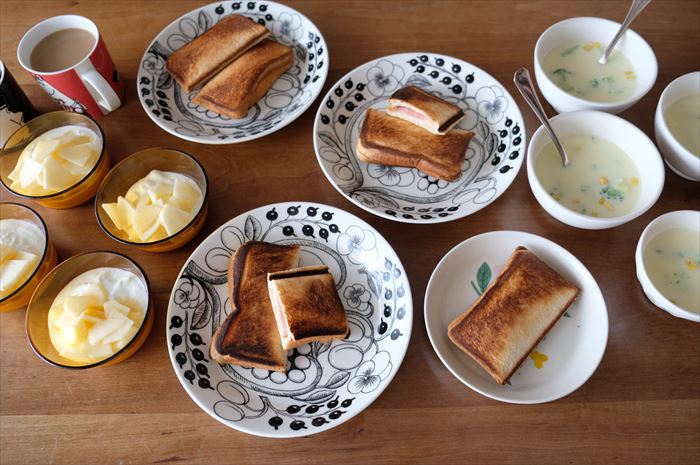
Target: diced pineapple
[113, 306]
[66, 320]
[159, 234]
[187, 194]
[144, 221]
[44, 149]
[113, 213]
[173, 219]
[29, 172]
[55, 174]
[93, 315]
[120, 333]
[100, 352]
[13, 273]
[77, 154]
[125, 210]
[77, 304]
[103, 329]
[73, 335]
[126, 339]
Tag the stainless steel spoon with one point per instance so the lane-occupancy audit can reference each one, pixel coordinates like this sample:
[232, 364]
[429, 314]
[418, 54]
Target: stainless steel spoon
[524, 84]
[635, 8]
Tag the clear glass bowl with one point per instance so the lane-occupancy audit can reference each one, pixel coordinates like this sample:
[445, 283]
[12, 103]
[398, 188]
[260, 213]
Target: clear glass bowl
[20, 296]
[136, 166]
[74, 195]
[38, 310]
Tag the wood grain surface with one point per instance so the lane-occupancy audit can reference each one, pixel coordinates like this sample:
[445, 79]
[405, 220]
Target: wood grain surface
[642, 405]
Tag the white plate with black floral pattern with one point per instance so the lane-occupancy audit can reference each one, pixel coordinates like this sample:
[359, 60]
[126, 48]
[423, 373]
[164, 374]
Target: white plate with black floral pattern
[172, 109]
[567, 356]
[325, 384]
[491, 162]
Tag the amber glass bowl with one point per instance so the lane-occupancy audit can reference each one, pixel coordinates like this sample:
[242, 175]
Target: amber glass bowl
[74, 195]
[20, 296]
[136, 166]
[37, 324]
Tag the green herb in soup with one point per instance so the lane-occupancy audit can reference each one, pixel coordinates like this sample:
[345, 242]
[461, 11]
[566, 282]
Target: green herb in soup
[672, 261]
[683, 120]
[600, 181]
[575, 69]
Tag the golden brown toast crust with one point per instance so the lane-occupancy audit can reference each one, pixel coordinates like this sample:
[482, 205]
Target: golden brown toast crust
[249, 336]
[202, 58]
[245, 81]
[442, 113]
[512, 316]
[392, 141]
[311, 304]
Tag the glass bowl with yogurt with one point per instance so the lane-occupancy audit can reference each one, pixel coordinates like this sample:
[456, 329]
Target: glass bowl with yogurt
[677, 126]
[615, 172]
[57, 159]
[93, 309]
[668, 263]
[26, 254]
[155, 200]
[568, 73]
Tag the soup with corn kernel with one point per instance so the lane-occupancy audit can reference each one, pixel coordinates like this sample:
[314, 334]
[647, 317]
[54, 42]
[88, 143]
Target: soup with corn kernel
[574, 68]
[672, 261]
[601, 180]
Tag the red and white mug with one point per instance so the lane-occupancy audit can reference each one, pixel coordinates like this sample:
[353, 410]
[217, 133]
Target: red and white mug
[91, 85]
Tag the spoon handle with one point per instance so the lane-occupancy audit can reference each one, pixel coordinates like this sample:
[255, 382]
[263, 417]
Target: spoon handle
[636, 8]
[524, 84]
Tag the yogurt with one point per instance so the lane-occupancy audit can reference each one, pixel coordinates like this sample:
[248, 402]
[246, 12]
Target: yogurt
[56, 160]
[22, 245]
[97, 313]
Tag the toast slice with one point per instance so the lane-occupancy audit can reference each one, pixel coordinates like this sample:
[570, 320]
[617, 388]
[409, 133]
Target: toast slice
[206, 55]
[512, 316]
[248, 336]
[245, 81]
[424, 109]
[306, 305]
[387, 140]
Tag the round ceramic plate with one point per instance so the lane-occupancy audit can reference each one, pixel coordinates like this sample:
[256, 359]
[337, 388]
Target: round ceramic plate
[490, 164]
[172, 109]
[325, 384]
[561, 362]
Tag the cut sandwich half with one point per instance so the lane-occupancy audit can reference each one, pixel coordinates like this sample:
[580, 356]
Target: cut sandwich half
[424, 109]
[513, 315]
[245, 81]
[306, 305]
[202, 58]
[248, 336]
[387, 140]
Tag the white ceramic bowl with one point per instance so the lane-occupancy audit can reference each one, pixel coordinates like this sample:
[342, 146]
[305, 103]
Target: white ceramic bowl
[627, 136]
[632, 45]
[678, 219]
[681, 160]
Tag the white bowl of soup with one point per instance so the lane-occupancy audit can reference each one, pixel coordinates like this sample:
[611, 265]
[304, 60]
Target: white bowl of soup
[570, 77]
[677, 126]
[615, 172]
[668, 263]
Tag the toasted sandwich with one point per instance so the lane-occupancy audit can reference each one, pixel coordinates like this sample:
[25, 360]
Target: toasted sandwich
[306, 305]
[248, 336]
[202, 58]
[242, 83]
[424, 109]
[387, 140]
[513, 315]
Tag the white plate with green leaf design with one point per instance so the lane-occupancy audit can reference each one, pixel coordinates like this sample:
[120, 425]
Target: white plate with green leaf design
[567, 356]
[325, 384]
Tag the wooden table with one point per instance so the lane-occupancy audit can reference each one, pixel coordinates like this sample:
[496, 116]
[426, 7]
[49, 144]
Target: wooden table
[642, 405]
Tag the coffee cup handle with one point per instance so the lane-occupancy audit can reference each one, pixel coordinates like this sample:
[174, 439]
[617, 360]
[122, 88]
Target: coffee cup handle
[107, 98]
